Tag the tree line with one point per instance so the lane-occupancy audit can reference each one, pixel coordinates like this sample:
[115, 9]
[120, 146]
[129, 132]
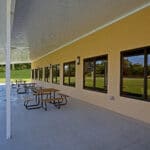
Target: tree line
[16, 66]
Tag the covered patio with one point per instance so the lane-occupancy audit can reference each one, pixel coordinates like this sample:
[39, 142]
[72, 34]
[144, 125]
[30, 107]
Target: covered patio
[76, 126]
[96, 52]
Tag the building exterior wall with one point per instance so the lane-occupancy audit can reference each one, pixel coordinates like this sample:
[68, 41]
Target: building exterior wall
[129, 33]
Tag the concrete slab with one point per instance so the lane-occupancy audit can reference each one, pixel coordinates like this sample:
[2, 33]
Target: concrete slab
[76, 126]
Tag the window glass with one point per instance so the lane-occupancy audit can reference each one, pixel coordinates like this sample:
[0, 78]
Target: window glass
[58, 74]
[66, 74]
[36, 74]
[100, 72]
[72, 74]
[55, 74]
[69, 73]
[148, 77]
[47, 74]
[40, 74]
[95, 73]
[89, 73]
[33, 74]
[135, 73]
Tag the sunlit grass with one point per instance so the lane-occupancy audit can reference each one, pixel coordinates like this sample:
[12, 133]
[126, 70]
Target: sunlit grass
[135, 85]
[99, 82]
[24, 75]
[130, 85]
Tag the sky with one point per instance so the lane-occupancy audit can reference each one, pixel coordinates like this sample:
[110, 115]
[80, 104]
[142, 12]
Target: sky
[138, 59]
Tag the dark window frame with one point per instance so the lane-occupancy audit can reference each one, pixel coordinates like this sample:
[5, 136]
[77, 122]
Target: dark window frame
[94, 59]
[69, 83]
[46, 74]
[134, 52]
[57, 67]
[36, 74]
[33, 74]
[40, 74]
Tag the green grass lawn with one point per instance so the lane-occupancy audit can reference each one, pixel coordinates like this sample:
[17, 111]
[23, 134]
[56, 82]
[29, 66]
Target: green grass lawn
[135, 85]
[17, 75]
[131, 85]
[99, 82]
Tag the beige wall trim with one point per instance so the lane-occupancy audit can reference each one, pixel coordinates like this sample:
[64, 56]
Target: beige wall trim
[95, 30]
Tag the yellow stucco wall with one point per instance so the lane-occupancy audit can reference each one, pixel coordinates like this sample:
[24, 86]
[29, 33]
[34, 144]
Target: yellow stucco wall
[129, 33]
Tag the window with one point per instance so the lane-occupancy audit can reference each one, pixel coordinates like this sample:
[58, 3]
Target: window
[36, 74]
[33, 75]
[135, 73]
[40, 74]
[46, 74]
[69, 73]
[95, 73]
[55, 74]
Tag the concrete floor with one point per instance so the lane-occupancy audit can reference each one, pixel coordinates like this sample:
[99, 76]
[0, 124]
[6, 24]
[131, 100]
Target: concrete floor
[77, 126]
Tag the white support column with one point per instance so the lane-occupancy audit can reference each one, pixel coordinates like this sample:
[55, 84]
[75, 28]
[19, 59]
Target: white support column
[7, 53]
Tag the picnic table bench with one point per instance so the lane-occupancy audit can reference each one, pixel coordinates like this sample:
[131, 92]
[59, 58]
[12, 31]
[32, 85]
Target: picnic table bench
[44, 96]
[58, 101]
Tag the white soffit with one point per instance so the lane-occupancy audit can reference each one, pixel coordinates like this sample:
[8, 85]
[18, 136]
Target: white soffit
[46, 26]
[3, 33]
[3, 21]
[2, 24]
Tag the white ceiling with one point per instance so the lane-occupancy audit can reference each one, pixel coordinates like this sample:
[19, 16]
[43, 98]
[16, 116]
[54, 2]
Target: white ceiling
[42, 26]
[18, 54]
[2, 23]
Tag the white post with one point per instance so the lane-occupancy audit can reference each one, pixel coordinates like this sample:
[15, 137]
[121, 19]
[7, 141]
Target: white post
[8, 40]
